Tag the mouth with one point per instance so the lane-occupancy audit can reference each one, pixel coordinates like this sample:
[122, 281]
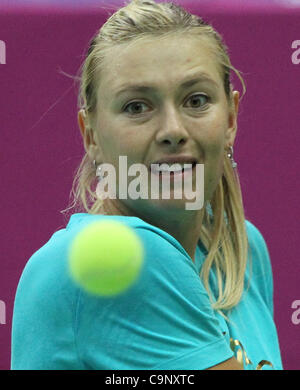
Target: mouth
[175, 170]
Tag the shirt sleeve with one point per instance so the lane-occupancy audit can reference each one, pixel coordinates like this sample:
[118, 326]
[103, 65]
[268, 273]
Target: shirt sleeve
[43, 316]
[163, 322]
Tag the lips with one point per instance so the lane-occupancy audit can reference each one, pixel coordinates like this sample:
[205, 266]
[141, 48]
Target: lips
[174, 159]
[160, 169]
[186, 173]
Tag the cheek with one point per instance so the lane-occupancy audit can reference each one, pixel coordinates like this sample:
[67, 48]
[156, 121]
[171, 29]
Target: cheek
[214, 145]
[218, 158]
[213, 172]
[214, 163]
[116, 140]
[109, 136]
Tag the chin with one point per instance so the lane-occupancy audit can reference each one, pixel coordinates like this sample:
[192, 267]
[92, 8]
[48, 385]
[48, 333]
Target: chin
[174, 204]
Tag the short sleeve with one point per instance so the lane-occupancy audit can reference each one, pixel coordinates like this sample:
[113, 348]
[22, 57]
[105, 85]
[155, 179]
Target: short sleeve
[44, 308]
[163, 322]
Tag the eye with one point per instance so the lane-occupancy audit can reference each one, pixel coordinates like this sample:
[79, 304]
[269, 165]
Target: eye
[196, 100]
[134, 108]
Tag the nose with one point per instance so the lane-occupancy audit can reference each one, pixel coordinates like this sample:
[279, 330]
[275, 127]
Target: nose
[171, 129]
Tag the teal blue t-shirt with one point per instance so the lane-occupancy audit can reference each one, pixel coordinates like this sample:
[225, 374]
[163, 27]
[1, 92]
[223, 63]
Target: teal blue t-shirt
[163, 322]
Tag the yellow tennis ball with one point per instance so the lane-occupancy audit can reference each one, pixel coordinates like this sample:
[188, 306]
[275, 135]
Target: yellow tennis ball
[105, 258]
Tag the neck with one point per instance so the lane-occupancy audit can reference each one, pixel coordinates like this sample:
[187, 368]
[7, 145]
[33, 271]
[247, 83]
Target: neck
[183, 225]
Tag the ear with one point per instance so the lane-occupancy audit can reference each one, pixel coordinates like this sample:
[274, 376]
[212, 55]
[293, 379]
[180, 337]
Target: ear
[232, 119]
[81, 117]
[87, 133]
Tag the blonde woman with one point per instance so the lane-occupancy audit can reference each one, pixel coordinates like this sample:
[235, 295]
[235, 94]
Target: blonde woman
[155, 87]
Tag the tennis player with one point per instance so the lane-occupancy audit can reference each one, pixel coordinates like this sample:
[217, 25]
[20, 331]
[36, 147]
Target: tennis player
[156, 88]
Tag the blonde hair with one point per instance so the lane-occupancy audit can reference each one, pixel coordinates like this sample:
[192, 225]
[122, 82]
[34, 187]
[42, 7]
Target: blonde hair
[223, 233]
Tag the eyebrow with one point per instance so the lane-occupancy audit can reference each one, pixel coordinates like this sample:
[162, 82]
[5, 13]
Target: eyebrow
[186, 84]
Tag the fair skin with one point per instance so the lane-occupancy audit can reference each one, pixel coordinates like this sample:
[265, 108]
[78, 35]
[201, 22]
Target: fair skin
[167, 119]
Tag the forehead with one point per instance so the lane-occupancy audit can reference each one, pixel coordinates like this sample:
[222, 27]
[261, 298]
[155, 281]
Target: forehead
[168, 59]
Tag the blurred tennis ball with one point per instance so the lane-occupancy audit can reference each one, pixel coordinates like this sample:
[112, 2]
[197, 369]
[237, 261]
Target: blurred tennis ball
[105, 258]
